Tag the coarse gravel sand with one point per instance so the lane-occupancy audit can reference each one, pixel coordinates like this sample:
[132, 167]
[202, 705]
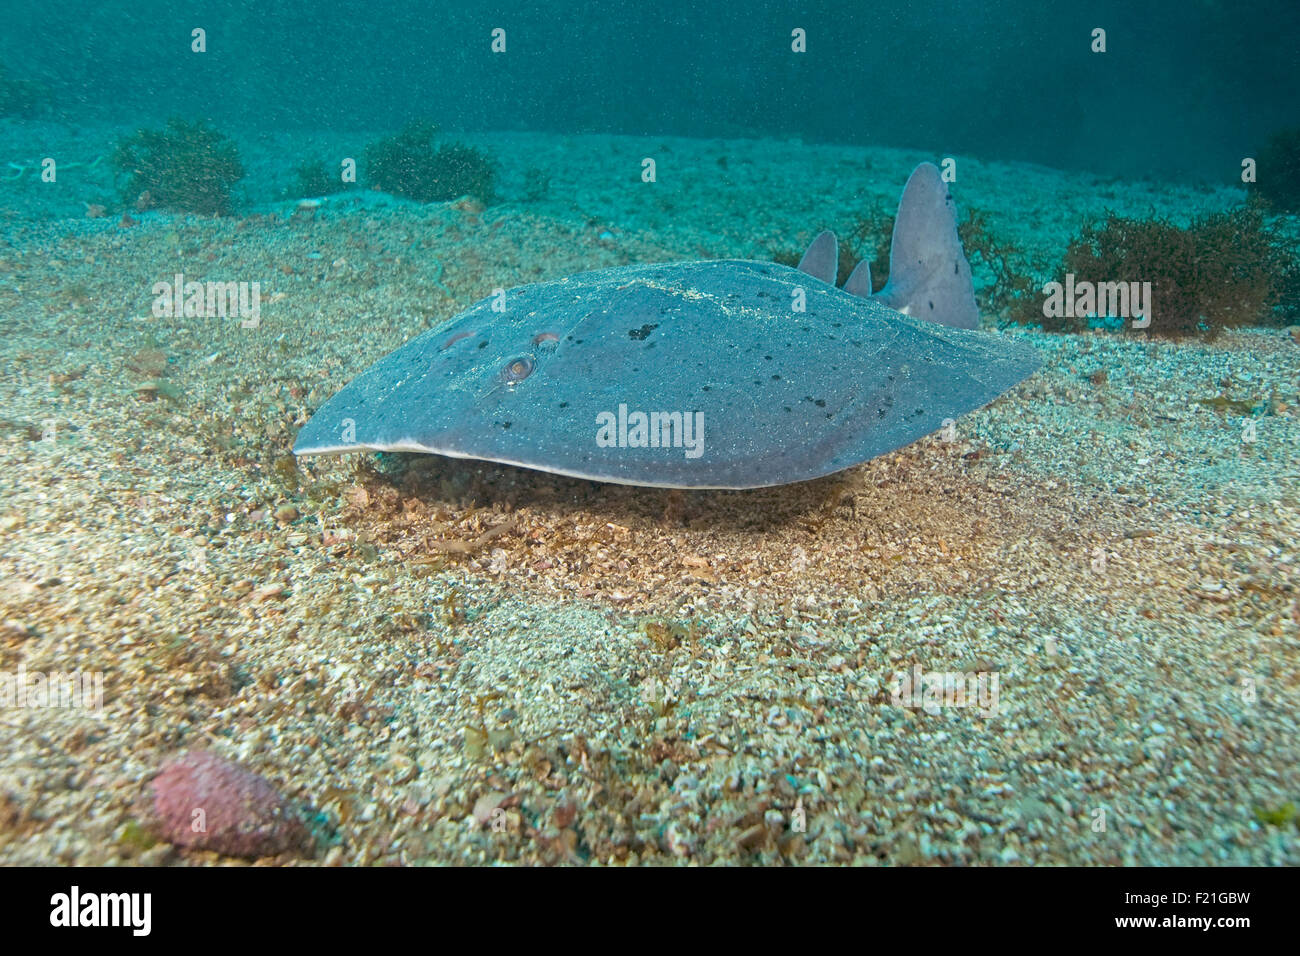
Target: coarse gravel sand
[454, 662]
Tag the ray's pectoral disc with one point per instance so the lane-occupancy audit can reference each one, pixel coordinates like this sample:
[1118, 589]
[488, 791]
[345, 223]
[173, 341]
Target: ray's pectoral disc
[715, 374]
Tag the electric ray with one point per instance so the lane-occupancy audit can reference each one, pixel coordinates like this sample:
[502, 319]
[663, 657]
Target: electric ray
[714, 374]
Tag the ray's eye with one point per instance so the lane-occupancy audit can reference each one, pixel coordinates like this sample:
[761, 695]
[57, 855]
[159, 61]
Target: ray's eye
[517, 369]
[546, 339]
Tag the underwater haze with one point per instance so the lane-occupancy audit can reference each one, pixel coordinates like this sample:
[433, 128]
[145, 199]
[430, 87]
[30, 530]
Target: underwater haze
[649, 433]
[1179, 83]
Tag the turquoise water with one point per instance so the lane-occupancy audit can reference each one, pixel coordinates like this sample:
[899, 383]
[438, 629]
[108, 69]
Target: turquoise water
[1181, 89]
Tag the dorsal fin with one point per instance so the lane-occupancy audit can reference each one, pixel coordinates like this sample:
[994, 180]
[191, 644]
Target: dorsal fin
[929, 277]
[859, 280]
[822, 258]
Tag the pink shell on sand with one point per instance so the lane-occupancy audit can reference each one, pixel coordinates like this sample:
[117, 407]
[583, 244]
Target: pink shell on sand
[242, 813]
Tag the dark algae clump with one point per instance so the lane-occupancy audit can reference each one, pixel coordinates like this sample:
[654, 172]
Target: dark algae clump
[1000, 257]
[1224, 270]
[409, 165]
[1278, 174]
[21, 97]
[188, 167]
[314, 177]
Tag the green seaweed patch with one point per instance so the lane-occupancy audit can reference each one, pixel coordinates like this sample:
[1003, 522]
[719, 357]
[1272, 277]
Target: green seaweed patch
[452, 610]
[1284, 815]
[286, 471]
[136, 837]
[480, 740]
[668, 635]
[1235, 406]
[321, 492]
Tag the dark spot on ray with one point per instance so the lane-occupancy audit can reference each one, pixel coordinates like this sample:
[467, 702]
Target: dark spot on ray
[857, 344]
[830, 414]
[643, 332]
[758, 382]
[504, 424]
[483, 344]
[767, 358]
[564, 404]
[820, 403]
[931, 306]
[705, 388]
[836, 325]
[776, 378]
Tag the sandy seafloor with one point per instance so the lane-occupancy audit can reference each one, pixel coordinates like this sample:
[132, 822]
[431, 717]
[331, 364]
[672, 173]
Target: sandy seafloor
[404, 645]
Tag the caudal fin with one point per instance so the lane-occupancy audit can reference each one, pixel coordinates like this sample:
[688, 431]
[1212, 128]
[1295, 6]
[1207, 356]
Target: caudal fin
[929, 277]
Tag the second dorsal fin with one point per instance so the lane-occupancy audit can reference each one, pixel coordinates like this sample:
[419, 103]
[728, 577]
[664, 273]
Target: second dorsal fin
[822, 258]
[859, 280]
